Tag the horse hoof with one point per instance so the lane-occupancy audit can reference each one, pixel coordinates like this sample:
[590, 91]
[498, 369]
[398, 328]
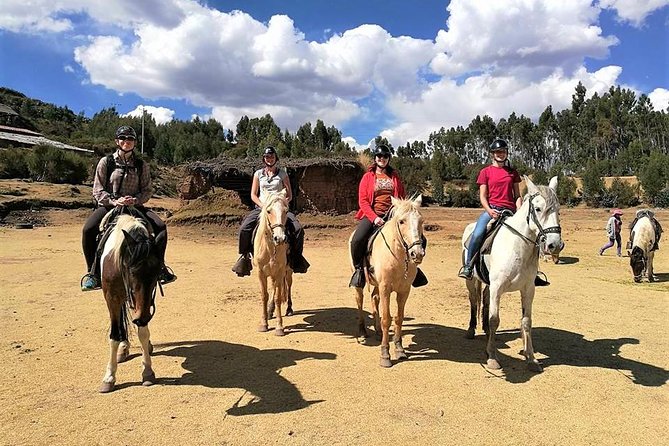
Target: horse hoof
[492, 364]
[289, 312]
[262, 328]
[470, 334]
[385, 363]
[106, 387]
[149, 379]
[279, 332]
[534, 366]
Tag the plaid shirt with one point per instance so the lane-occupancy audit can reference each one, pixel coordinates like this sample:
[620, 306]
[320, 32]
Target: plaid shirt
[125, 177]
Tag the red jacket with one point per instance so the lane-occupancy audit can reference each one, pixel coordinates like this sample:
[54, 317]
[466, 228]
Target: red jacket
[366, 193]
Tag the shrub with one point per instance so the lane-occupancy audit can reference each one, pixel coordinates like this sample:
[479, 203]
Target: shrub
[566, 191]
[662, 198]
[653, 176]
[47, 163]
[461, 198]
[14, 163]
[622, 194]
[593, 185]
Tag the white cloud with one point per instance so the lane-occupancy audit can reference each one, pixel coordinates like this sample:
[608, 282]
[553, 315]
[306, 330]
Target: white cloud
[68, 69]
[493, 58]
[659, 98]
[633, 11]
[527, 38]
[161, 115]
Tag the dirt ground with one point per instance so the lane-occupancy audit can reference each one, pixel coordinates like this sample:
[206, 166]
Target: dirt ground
[602, 340]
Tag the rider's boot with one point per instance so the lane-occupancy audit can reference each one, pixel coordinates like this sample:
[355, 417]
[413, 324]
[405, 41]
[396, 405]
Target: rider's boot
[299, 264]
[243, 266]
[420, 279]
[166, 275]
[358, 278]
[89, 282]
[466, 272]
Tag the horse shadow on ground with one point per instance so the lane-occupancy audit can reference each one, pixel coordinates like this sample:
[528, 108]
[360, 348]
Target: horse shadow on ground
[568, 260]
[560, 347]
[437, 342]
[219, 364]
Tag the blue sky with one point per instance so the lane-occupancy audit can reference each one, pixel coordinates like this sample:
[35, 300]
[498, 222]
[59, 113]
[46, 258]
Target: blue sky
[400, 69]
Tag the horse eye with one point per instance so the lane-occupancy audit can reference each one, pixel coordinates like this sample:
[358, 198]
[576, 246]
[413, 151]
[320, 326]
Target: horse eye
[537, 209]
[402, 221]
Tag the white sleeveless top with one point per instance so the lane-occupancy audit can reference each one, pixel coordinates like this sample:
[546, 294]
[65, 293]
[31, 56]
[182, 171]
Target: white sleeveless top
[270, 184]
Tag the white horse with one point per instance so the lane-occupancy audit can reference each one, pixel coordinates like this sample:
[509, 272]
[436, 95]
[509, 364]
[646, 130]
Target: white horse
[513, 264]
[641, 255]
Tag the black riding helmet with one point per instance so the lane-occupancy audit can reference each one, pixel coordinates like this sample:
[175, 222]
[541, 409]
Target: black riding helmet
[499, 144]
[125, 130]
[382, 150]
[269, 150]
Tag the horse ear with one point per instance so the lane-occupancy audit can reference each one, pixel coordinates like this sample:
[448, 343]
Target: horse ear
[531, 188]
[553, 183]
[128, 238]
[419, 200]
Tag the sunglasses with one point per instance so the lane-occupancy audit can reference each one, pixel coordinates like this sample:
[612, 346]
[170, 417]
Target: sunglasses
[125, 138]
[383, 156]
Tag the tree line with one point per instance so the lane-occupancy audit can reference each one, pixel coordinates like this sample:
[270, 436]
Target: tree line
[613, 134]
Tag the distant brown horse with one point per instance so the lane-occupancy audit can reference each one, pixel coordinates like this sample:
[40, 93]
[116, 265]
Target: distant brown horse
[396, 253]
[130, 266]
[270, 258]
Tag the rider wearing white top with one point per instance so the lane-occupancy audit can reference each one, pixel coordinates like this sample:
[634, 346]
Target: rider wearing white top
[270, 179]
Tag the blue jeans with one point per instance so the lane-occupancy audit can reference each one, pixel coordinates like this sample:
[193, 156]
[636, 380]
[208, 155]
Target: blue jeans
[477, 236]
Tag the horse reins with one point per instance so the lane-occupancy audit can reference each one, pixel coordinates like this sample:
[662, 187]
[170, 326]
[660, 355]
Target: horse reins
[406, 246]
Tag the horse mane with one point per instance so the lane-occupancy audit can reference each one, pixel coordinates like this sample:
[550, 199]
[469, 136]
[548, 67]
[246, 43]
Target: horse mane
[132, 255]
[401, 207]
[552, 202]
[263, 227]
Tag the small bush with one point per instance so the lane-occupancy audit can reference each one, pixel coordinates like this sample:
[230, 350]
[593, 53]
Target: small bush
[460, 198]
[47, 163]
[14, 163]
[622, 194]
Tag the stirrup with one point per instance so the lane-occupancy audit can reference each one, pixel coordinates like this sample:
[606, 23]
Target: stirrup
[541, 281]
[90, 277]
[463, 273]
[167, 275]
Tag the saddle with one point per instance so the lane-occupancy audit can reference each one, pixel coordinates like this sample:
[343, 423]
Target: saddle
[656, 225]
[479, 257]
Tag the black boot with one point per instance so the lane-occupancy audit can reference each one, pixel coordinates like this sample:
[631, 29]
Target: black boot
[299, 264]
[243, 266]
[166, 275]
[358, 278]
[420, 279]
[466, 272]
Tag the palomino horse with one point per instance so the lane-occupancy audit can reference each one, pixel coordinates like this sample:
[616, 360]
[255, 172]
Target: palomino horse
[641, 255]
[270, 258]
[130, 266]
[396, 253]
[513, 264]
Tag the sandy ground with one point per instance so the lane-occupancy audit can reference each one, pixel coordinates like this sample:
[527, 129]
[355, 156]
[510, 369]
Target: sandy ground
[602, 340]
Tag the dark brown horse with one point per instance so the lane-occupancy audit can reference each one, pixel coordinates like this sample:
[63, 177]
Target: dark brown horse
[130, 266]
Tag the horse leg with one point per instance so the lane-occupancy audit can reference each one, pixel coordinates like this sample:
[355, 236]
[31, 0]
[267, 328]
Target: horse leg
[474, 288]
[375, 312]
[289, 290]
[148, 377]
[123, 351]
[279, 295]
[527, 297]
[493, 324]
[649, 267]
[362, 329]
[485, 310]
[384, 300]
[264, 296]
[399, 319]
[117, 334]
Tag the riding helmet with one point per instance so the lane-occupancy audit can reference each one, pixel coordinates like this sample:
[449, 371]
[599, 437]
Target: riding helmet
[125, 130]
[382, 150]
[499, 144]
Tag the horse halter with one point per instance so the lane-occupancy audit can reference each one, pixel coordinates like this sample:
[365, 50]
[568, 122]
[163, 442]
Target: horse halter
[541, 236]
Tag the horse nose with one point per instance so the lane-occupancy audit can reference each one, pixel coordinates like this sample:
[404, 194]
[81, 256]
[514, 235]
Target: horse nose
[279, 239]
[417, 255]
[551, 246]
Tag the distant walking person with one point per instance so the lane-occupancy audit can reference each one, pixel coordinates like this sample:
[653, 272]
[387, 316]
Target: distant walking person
[613, 228]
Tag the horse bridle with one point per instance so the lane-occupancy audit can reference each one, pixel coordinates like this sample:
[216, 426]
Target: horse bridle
[541, 236]
[406, 246]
